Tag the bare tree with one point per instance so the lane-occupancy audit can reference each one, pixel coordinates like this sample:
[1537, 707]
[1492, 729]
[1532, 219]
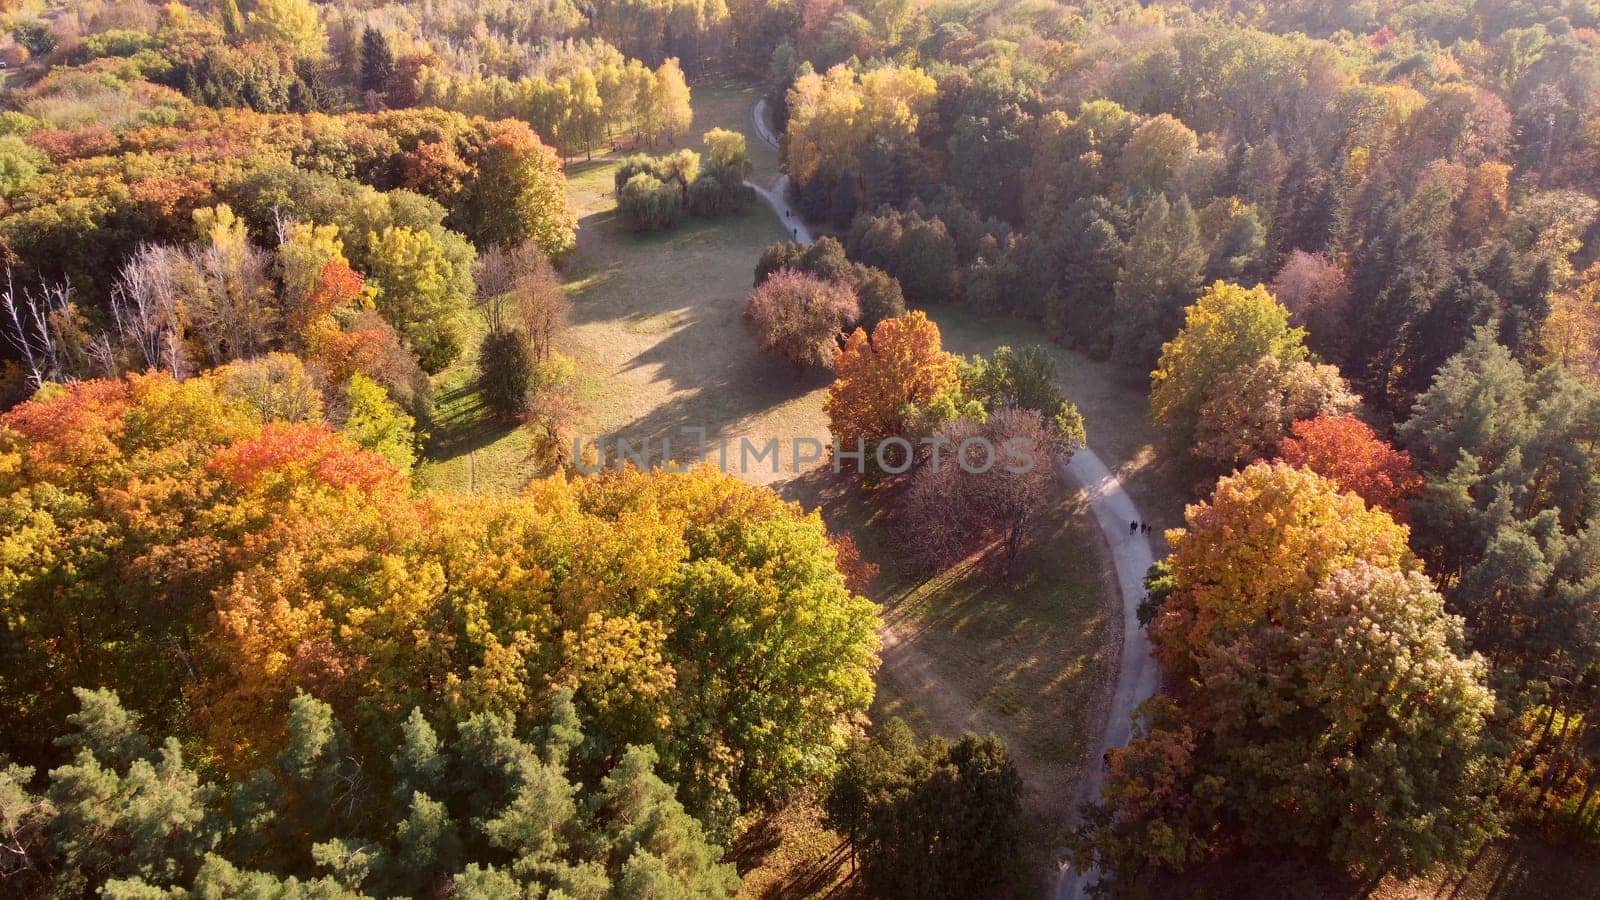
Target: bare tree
[147, 312]
[232, 305]
[34, 322]
[518, 288]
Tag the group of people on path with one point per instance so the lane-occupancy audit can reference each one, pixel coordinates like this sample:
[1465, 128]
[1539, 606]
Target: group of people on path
[1139, 528]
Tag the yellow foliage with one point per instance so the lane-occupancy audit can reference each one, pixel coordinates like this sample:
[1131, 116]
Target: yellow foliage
[1267, 535]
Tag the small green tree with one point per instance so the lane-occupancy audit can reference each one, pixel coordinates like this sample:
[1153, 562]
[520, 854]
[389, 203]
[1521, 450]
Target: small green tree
[505, 372]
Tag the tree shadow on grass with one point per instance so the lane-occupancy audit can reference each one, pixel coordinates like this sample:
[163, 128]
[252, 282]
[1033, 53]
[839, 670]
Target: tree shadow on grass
[463, 424]
[713, 389]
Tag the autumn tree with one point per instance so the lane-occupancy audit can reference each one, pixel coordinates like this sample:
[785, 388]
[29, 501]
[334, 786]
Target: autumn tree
[519, 194]
[376, 423]
[292, 559]
[1154, 152]
[1234, 379]
[1254, 406]
[801, 317]
[291, 24]
[1268, 534]
[877, 292]
[422, 290]
[519, 289]
[902, 364]
[1345, 450]
[1316, 292]
[1285, 731]
[669, 114]
[983, 485]
[838, 119]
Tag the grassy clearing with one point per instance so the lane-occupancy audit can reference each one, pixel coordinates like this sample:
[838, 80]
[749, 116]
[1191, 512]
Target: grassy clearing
[656, 333]
[1028, 657]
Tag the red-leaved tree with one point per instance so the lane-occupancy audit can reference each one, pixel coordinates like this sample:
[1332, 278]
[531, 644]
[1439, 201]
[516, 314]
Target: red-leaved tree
[1346, 451]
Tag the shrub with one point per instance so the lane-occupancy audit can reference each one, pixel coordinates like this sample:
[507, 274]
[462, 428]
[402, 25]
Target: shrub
[648, 204]
[800, 317]
[719, 191]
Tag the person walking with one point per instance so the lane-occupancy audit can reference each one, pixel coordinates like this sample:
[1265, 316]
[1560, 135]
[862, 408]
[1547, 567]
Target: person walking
[1133, 527]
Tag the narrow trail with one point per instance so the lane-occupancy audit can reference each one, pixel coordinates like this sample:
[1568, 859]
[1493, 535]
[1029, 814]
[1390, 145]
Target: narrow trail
[1137, 675]
[1131, 554]
[775, 195]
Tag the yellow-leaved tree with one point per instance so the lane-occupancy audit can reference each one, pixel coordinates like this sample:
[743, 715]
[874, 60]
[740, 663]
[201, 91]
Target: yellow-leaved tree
[1267, 536]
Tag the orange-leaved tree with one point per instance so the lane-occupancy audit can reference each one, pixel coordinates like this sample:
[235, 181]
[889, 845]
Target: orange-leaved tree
[1346, 450]
[902, 365]
[171, 541]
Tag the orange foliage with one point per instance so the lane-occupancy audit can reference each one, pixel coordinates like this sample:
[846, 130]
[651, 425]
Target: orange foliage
[858, 573]
[294, 451]
[1267, 536]
[1346, 450]
[903, 364]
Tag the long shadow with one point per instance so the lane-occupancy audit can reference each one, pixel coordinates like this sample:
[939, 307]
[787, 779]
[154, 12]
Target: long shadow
[469, 426]
[642, 266]
[720, 403]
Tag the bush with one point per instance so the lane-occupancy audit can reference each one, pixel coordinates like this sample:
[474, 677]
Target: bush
[35, 36]
[719, 191]
[505, 372]
[679, 168]
[800, 316]
[877, 292]
[648, 204]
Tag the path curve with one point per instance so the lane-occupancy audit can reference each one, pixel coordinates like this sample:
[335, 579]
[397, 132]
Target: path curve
[1131, 555]
[1137, 675]
[777, 195]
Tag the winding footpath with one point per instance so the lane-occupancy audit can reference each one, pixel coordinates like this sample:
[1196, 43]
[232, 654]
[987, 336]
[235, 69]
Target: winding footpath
[1137, 676]
[777, 195]
[1131, 555]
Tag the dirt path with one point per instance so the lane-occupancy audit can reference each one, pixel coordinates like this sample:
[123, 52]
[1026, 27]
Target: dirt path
[1137, 677]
